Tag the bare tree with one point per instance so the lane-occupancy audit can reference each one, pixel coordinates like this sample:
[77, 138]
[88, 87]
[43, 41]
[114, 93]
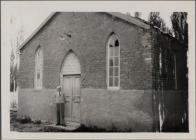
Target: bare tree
[12, 71]
[14, 57]
[180, 26]
[155, 20]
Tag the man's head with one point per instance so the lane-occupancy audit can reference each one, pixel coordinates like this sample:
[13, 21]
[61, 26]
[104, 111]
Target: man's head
[58, 88]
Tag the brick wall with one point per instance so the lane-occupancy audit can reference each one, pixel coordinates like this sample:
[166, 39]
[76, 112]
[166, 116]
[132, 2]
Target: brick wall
[37, 104]
[129, 107]
[123, 109]
[89, 33]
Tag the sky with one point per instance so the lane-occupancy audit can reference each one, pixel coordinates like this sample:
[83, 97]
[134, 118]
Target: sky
[28, 17]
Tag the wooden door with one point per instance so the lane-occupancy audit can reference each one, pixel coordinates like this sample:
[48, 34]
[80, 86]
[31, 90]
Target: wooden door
[71, 90]
[76, 99]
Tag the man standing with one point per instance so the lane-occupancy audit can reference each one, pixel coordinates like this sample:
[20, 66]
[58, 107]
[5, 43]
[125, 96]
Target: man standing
[59, 97]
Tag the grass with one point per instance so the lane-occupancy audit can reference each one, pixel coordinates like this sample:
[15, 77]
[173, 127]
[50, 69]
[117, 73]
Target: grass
[25, 124]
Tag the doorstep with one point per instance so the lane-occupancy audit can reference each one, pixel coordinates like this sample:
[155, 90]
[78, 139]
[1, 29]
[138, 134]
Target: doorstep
[70, 126]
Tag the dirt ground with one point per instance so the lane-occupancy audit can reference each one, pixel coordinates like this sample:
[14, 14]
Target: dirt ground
[25, 124]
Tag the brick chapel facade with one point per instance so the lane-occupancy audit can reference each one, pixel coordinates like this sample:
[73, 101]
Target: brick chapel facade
[108, 65]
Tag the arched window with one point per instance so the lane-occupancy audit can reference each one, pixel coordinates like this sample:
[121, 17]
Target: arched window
[38, 68]
[113, 64]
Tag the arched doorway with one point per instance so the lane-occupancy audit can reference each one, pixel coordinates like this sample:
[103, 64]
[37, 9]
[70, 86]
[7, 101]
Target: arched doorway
[70, 82]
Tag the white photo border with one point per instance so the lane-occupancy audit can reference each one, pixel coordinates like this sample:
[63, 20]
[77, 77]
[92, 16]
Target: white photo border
[92, 6]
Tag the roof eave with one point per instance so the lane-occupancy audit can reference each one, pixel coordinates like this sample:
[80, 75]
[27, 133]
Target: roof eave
[130, 19]
[37, 30]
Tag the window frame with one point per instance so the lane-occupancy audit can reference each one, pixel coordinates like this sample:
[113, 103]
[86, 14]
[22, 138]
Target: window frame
[38, 68]
[113, 87]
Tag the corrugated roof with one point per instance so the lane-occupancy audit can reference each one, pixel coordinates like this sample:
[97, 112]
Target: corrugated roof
[121, 16]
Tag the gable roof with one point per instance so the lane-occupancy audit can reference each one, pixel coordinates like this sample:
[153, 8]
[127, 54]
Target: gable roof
[37, 30]
[129, 19]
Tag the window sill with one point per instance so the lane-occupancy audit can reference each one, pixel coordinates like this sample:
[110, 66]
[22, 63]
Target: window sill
[37, 89]
[113, 88]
